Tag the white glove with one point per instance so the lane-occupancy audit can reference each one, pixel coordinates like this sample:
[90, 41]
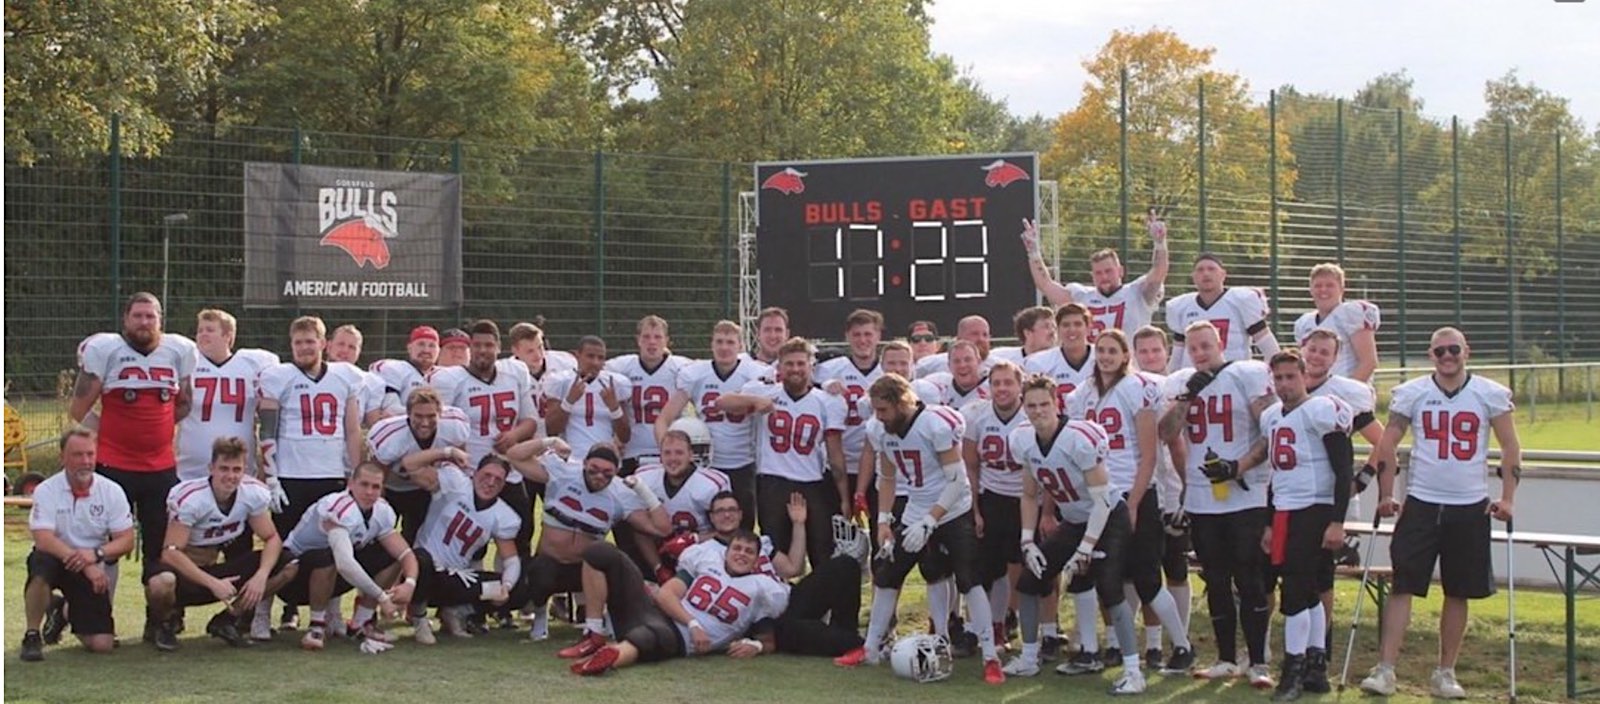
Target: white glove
[885, 551]
[468, 577]
[916, 535]
[279, 499]
[1033, 559]
[1080, 562]
[1030, 237]
[374, 647]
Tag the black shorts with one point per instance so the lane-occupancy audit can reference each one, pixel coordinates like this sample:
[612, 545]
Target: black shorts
[1175, 558]
[634, 614]
[1305, 568]
[951, 550]
[243, 566]
[437, 587]
[1002, 533]
[88, 612]
[1105, 573]
[1457, 537]
[373, 559]
[543, 576]
[410, 508]
[1142, 564]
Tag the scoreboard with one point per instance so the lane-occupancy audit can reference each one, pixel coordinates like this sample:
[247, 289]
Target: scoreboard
[913, 238]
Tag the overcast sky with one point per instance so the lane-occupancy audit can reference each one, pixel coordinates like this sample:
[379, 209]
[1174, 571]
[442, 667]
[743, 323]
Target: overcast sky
[1030, 52]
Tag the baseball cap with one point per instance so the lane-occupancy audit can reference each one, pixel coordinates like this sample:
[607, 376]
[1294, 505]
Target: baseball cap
[455, 336]
[423, 332]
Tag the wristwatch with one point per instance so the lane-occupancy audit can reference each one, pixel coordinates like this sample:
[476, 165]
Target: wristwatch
[100, 554]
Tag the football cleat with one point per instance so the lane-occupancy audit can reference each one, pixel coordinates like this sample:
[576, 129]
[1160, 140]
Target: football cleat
[586, 646]
[598, 664]
[993, 673]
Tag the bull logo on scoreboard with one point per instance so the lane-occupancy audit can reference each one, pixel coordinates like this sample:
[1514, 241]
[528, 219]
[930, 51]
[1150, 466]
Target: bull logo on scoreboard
[358, 219]
[788, 182]
[1003, 173]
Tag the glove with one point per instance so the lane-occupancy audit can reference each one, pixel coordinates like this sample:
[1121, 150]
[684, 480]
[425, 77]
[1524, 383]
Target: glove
[916, 535]
[1176, 524]
[1364, 477]
[279, 499]
[884, 555]
[1219, 470]
[1197, 383]
[1033, 559]
[674, 546]
[1080, 562]
[468, 577]
[374, 647]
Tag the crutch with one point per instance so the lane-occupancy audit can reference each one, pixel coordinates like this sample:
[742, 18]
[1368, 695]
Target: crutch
[1361, 597]
[1511, 606]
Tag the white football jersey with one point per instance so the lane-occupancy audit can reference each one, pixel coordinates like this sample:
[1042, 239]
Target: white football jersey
[569, 505]
[80, 522]
[311, 411]
[1013, 355]
[715, 545]
[1060, 465]
[590, 419]
[939, 362]
[651, 389]
[990, 433]
[1169, 486]
[1068, 376]
[914, 457]
[688, 504]
[1127, 309]
[554, 363]
[1116, 411]
[493, 406]
[724, 604]
[224, 406]
[952, 394]
[374, 396]
[1234, 313]
[1302, 474]
[1219, 420]
[340, 509]
[1450, 436]
[856, 381]
[391, 440]
[193, 504]
[732, 435]
[457, 527]
[791, 438]
[1347, 319]
[400, 378]
[138, 398]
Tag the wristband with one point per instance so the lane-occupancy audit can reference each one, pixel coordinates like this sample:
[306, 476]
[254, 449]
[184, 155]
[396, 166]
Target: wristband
[567, 406]
[886, 518]
[1027, 535]
[616, 413]
[1085, 550]
[754, 643]
[409, 581]
[100, 553]
[695, 625]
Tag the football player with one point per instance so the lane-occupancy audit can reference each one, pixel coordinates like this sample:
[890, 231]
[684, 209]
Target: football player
[465, 514]
[1354, 323]
[1072, 363]
[1239, 315]
[429, 432]
[586, 406]
[1113, 305]
[225, 406]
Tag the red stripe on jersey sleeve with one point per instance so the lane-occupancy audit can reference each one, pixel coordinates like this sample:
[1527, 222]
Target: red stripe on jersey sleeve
[1095, 436]
[191, 492]
[342, 504]
[389, 432]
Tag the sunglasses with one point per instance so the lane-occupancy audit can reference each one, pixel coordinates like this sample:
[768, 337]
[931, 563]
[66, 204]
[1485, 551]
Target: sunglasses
[1442, 350]
[924, 338]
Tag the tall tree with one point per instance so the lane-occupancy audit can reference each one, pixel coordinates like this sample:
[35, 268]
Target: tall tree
[71, 66]
[1164, 75]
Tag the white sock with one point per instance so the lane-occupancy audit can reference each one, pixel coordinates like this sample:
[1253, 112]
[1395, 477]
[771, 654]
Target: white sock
[1180, 594]
[1319, 627]
[594, 625]
[1048, 629]
[883, 604]
[541, 617]
[1030, 651]
[264, 608]
[978, 608]
[1088, 613]
[1166, 608]
[939, 607]
[317, 616]
[1297, 632]
[363, 615]
[1152, 637]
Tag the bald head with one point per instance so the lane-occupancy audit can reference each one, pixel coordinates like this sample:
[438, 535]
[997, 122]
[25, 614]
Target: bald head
[975, 329]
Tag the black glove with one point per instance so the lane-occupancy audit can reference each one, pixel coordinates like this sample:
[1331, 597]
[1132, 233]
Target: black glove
[1176, 523]
[1197, 383]
[1219, 470]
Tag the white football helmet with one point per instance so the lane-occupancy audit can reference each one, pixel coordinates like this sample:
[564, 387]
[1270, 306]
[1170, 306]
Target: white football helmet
[922, 658]
[699, 438]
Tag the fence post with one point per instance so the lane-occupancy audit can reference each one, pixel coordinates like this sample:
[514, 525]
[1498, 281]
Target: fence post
[1561, 282]
[1122, 127]
[1400, 219]
[1511, 267]
[599, 241]
[727, 241]
[1338, 175]
[294, 149]
[1455, 205]
[455, 168]
[115, 167]
[1272, 197]
[1202, 164]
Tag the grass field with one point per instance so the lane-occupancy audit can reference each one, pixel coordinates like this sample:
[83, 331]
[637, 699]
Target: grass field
[505, 667]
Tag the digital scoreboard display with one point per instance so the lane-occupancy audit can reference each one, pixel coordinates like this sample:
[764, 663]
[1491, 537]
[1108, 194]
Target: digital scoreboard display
[915, 239]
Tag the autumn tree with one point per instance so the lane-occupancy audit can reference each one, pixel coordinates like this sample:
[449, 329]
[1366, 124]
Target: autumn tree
[1164, 76]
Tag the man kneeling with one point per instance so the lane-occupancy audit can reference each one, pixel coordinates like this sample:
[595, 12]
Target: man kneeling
[713, 601]
[204, 515]
[463, 516]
